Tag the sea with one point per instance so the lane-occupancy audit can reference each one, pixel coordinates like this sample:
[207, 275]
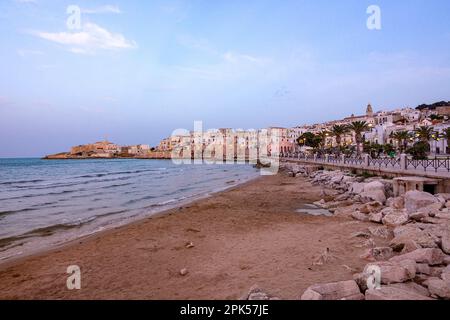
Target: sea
[45, 203]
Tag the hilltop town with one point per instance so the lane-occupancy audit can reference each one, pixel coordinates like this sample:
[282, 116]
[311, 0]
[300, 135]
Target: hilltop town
[385, 131]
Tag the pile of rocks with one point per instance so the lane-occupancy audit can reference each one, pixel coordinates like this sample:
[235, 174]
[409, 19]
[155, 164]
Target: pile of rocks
[423, 274]
[416, 264]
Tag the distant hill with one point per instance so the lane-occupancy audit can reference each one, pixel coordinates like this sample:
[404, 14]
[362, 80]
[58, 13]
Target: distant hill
[434, 105]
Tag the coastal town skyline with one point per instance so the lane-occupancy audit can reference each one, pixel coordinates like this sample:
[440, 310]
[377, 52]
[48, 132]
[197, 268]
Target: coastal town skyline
[134, 71]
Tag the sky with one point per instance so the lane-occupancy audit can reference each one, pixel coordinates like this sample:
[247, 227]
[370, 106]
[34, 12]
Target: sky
[134, 71]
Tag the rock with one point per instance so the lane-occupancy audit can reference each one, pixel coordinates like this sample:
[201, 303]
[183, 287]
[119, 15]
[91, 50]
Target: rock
[361, 234]
[357, 188]
[373, 195]
[415, 200]
[418, 216]
[394, 293]
[342, 197]
[256, 293]
[436, 271]
[332, 291]
[394, 272]
[445, 243]
[439, 288]
[447, 260]
[291, 174]
[361, 280]
[423, 268]
[378, 254]
[445, 274]
[443, 215]
[184, 272]
[374, 186]
[396, 219]
[404, 234]
[376, 217]
[371, 207]
[258, 296]
[360, 216]
[373, 191]
[412, 286]
[431, 256]
[355, 297]
[381, 232]
[396, 203]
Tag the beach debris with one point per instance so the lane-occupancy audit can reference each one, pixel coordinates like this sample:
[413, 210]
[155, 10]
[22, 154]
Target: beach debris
[378, 254]
[257, 294]
[189, 245]
[184, 272]
[324, 258]
[361, 234]
[350, 269]
[193, 230]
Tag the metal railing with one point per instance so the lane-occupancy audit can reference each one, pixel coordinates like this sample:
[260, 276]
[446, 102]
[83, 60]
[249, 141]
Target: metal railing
[436, 164]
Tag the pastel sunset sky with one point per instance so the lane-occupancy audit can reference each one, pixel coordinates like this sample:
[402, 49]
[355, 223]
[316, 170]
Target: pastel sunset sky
[137, 70]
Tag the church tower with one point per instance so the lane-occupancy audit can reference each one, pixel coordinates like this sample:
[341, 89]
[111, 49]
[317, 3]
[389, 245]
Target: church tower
[369, 111]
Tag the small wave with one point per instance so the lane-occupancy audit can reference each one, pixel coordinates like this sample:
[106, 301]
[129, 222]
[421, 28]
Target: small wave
[7, 183]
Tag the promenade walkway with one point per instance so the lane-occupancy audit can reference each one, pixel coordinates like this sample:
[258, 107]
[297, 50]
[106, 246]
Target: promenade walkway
[403, 166]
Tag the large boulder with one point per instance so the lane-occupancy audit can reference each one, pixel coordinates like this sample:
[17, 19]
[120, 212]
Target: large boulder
[347, 290]
[405, 234]
[439, 288]
[392, 272]
[381, 232]
[415, 200]
[445, 242]
[396, 203]
[357, 188]
[373, 195]
[373, 191]
[412, 286]
[357, 215]
[431, 256]
[372, 186]
[371, 207]
[395, 218]
[394, 293]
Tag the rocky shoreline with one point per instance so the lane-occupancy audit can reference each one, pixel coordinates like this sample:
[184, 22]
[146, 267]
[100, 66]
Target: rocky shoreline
[415, 265]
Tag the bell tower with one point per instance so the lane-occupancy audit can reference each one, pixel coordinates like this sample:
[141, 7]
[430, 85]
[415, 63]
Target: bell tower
[369, 111]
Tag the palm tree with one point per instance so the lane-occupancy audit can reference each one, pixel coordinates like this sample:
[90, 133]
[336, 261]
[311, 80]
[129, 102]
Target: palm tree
[425, 133]
[446, 135]
[323, 136]
[402, 139]
[358, 127]
[338, 131]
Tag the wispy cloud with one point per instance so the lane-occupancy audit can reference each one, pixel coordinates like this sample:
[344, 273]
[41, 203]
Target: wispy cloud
[26, 1]
[102, 9]
[26, 52]
[89, 40]
[234, 57]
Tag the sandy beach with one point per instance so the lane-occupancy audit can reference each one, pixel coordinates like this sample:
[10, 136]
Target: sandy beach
[249, 235]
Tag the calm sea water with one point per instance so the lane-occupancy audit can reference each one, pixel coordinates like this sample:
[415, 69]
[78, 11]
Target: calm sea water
[49, 202]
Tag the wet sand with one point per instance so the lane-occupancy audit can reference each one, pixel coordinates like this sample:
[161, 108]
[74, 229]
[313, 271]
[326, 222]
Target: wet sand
[249, 235]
